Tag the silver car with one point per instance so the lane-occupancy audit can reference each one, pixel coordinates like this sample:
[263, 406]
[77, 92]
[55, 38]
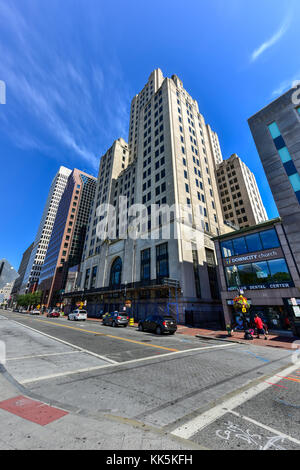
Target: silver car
[78, 315]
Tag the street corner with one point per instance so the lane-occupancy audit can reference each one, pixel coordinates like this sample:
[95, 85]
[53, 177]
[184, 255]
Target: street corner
[32, 410]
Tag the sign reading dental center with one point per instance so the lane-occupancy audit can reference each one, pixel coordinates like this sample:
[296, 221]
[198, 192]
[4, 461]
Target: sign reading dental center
[269, 285]
[254, 257]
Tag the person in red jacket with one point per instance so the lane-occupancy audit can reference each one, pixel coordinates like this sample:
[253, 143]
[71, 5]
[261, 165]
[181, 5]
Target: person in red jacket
[260, 326]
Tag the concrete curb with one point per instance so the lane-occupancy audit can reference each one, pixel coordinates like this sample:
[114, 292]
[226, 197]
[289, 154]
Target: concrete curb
[220, 339]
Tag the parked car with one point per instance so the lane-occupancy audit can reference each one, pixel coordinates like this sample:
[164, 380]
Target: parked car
[16, 310]
[116, 319]
[53, 313]
[158, 323]
[35, 312]
[78, 315]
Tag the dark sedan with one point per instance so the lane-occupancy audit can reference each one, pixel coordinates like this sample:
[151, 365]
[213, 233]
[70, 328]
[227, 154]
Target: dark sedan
[116, 319]
[159, 323]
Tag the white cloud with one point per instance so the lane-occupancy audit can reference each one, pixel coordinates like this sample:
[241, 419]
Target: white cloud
[273, 40]
[65, 99]
[286, 85]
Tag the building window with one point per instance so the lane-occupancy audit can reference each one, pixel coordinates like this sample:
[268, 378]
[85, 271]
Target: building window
[269, 239]
[145, 264]
[212, 274]
[196, 270]
[94, 276]
[162, 261]
[265, 240]
[295, 181]
[258, 274]
[116, 273]
[274, 130]
[87, 278]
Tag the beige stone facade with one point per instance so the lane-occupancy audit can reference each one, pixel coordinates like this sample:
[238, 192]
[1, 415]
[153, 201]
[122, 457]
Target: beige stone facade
[239, 194]
[170, 160]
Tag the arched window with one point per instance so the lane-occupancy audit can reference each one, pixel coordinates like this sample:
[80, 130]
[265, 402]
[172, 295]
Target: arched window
[116, 273]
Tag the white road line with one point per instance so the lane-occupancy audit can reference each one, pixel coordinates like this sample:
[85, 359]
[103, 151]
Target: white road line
[268, 428]
[195, 425]
[132, 361]
[68, 344]
[40, 355]
[63, 374]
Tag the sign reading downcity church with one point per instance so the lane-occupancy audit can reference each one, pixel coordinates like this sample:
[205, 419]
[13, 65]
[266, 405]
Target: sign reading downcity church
[254, 257]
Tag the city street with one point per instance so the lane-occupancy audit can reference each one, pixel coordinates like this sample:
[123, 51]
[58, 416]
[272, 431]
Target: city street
[124, 389]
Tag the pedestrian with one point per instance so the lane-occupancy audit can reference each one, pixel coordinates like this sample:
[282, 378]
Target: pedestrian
[287, 323]
[260, 326]
[266, 328]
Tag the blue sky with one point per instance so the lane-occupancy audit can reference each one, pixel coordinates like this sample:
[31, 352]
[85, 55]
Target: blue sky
[71, 68]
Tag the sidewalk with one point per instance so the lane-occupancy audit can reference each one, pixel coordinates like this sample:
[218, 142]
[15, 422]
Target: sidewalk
[29, 422]
[274, 341]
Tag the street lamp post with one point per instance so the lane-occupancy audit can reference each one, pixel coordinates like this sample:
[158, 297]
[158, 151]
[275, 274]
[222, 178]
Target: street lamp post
[237, 279]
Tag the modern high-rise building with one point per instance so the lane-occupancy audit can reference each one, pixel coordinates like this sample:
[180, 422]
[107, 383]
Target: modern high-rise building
[38, 253]
[170, 160]
[22, 269]
[68, 235]
[5, 292]
[240, 197]
[276, 132]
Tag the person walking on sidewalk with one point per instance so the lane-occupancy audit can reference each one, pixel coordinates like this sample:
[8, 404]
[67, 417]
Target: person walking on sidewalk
[260, 327]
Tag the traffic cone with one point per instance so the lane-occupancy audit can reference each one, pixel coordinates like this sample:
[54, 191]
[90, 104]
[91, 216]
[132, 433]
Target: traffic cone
[131, 321]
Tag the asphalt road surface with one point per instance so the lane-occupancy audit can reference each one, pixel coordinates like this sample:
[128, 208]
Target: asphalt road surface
[217, 394]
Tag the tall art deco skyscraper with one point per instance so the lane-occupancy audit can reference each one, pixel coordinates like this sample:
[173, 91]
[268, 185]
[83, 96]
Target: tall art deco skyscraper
[170, 159]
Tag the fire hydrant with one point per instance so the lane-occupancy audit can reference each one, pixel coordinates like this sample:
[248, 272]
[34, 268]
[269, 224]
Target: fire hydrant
[229, 330]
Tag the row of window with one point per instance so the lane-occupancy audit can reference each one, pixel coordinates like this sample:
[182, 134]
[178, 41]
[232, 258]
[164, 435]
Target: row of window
[261, 273]
[265, 240]
[162, 268]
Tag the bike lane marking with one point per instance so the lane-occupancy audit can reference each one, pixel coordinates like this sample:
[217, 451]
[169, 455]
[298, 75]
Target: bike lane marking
[195, 425]
[264, 426]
